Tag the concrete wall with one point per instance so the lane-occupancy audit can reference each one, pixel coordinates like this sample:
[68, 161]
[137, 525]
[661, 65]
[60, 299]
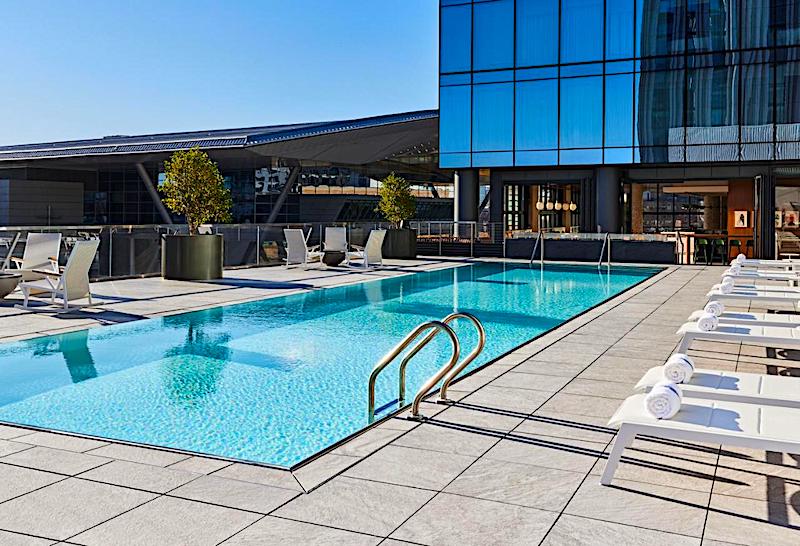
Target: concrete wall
[39, 203]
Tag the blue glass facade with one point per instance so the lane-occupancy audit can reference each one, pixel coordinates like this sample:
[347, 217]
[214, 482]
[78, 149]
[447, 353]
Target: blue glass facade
[593, 82]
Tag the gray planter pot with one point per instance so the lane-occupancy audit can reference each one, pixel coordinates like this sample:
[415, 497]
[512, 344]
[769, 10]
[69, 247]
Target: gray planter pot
[400, 244]
[192, 258]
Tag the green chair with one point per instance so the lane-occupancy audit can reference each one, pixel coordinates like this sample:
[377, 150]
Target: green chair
[719, 248]
[735, 243]
[701, 249]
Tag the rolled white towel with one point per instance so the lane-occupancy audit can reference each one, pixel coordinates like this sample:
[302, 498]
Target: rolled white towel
[736, 268]
[707, 322]
[741, 258]
[730, 279]
[679, 368]
[664, 400]
[716, 308]
[726, 287]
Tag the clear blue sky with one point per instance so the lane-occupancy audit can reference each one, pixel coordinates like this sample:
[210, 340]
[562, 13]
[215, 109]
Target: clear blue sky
[84, 68]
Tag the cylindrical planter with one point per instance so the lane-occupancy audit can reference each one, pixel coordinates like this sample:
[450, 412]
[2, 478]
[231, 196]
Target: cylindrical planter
[192, 257]
[400, 244]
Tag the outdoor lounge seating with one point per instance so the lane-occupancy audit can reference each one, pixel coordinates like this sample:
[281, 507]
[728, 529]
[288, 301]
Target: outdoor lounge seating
[752, 275]
[40, 254]
[756, 426]
[370, 254]
[755, 388]
[760, 295]
[71, 283]
[297, 250]
[765, 336]
[748, 318]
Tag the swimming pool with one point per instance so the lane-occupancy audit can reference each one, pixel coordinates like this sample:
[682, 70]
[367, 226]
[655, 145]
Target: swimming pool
[277, 380]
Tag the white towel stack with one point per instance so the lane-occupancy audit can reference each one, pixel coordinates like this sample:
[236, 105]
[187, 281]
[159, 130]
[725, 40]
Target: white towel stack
[726, 287]
[664, 400]
[716, 308]
[679, 368]
[707, 322]
[741, 258]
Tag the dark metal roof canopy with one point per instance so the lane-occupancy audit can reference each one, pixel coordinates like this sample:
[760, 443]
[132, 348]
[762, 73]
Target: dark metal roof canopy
[354, 142]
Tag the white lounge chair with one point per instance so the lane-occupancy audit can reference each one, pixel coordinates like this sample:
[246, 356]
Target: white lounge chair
[768, 428]
[764, 287]
[753, 276]
[747, 318]
[761, 296]
[754, 388]
[785, 265]
[72, 283]
[297, 249]
[335, 239]
[370, 254]
[40, 254]
[765, 336]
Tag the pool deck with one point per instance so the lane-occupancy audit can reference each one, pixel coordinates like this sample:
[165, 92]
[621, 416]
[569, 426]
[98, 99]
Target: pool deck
[515, 461]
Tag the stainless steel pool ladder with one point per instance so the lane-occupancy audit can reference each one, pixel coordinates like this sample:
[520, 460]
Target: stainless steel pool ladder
[446, 373]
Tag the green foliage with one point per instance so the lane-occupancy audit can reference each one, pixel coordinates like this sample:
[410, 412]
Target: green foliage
[193, 187]
[397, 203]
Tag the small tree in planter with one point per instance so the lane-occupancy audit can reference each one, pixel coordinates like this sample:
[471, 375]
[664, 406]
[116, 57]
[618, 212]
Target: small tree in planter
[193, 187]
[397, 204]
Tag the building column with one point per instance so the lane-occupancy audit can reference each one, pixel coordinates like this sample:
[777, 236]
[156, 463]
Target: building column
[765, 217]
[465, 200]
[151, 189]
[607, 199]
[533, 212]
[711, 212]
[496, 199]
[637, 208]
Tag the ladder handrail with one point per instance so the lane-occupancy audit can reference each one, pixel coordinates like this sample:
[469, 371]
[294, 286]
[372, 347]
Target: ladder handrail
[602, 251]
[535, 246]
[448, 378]
[400, 347]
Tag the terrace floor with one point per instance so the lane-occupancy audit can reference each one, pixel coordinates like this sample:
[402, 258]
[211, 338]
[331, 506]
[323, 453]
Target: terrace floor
[515, 461]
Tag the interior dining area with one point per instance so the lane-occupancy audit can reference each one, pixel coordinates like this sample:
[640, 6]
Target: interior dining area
[711, 220]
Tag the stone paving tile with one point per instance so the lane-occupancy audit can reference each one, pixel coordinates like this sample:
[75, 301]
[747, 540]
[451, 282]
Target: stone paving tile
[557, 453]
[136, 454]
[60, 441]
[140, 476]
[18, 481]
[480, 419]
[54, 460]
[322, 469]
[368, 442]
[546, 383]
[358, 505]
[7, 432]
[507, 399]
[68, 507]
[200, 465]
[578, 531]
[272, 530]
[235, 494]
[656, 507]
[8, 447]
[735, 519]
[15, 539]
[516, 483]
[412, 467]
[168, 521]
[259, 474]
[464, 521]
[433, 437]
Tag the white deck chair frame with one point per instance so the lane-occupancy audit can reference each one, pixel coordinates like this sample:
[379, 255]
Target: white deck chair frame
[335, 239]
[752, 388]
[747, 318]
[371, 253]
[72, 283]
[765, 336]
[40, 254]
[297, 249]
[752, 277]
[767, 428]
[763, 297]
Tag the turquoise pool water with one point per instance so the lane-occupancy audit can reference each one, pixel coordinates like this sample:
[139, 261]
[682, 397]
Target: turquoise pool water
[277, 380]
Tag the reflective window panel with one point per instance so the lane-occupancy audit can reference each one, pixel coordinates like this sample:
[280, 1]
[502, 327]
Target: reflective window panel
[493, 117]
[456, 39]
[494, 35]
[537, 32]
[581, 30]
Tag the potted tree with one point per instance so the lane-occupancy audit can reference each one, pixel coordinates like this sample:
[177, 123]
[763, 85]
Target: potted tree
[397, 204]
[193, 188]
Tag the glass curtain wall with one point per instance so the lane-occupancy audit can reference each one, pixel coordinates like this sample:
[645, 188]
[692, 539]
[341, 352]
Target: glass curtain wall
[569, 82]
